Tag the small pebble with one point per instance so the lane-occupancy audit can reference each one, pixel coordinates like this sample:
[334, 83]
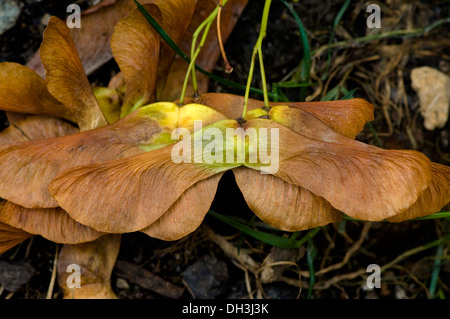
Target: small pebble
[14, 274]
[9, 13]
[122, 284]
[207, 277]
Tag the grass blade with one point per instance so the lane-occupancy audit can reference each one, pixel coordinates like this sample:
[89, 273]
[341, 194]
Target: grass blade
[433, 216]
[161, 31]
[336, 21]
[375, 135]
[436, 268]
[306, 60]
[310, 257]
[264, 237]
[350, 94]
[259, 235]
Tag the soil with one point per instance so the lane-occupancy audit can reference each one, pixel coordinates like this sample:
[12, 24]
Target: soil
[399, 125]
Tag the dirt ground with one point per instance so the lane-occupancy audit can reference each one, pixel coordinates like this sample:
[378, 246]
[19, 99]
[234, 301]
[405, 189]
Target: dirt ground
[380, 70]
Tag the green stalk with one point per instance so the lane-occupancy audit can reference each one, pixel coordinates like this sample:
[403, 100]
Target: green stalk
[249, 82]
[206, 24]
[263, 79]
[258, 50]
[194, 56]
[180, 52]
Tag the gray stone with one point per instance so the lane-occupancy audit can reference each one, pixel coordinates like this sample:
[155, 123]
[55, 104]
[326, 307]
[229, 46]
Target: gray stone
[13, 274]
[9, 13]
[207, 277]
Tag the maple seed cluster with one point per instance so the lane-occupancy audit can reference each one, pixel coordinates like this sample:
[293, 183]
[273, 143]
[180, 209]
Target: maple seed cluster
[84, 166]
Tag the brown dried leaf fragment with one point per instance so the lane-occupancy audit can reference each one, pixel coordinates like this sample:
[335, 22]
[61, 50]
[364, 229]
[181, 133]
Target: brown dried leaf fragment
[96, 260]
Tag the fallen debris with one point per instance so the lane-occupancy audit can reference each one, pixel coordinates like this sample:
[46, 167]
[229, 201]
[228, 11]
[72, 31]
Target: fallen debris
[433, 89]
[206, 278]
[146, 279]
[14, 274]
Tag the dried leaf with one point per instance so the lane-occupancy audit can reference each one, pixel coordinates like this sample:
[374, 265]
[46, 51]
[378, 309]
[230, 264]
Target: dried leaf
[176, 19]
[282, 205]
[93, 39]
[135, 46]
[14, 117]
[96, 260]
[26, 169]
[22, 90]
[35, 128]
[187, 213]
[360, 180]
[346, 117]
[10, 237]
[65, 76]
[110, 102]
[436, 196]
[51, 223]
[135, 191]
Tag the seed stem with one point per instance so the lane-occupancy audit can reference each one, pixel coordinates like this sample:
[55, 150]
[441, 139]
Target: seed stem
[258, 50]
[195, 51]
[228, 67]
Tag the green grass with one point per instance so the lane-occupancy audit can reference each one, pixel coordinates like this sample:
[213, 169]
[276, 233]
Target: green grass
[265, 237]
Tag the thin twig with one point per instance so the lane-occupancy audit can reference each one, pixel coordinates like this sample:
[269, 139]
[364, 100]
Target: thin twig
[52, 280]
[247, 277]
[188, 288]
[350, 252]
[414, 251]
[242, 255]
[336, 279]
[413, 277]
[283, 263]
[388, 34]
[30, 243]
